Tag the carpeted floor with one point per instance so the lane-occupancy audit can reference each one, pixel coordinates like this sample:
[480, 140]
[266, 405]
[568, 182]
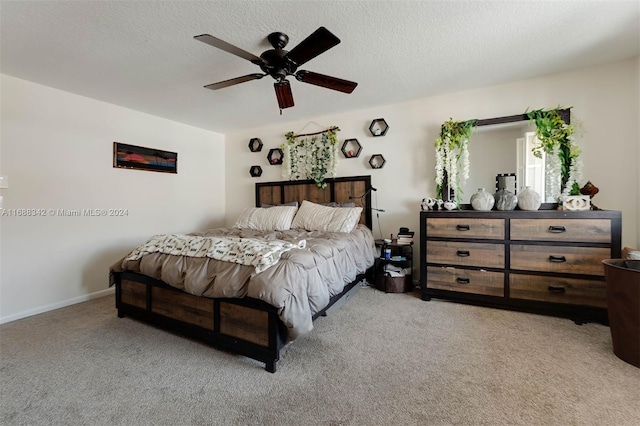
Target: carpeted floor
[380, 359]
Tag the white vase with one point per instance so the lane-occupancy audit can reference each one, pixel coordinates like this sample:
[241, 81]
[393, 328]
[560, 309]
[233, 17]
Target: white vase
[450, 205]
[528, 199]
[482, 200]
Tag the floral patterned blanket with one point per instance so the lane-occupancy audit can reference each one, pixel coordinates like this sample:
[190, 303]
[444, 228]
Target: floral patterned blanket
[261, 254]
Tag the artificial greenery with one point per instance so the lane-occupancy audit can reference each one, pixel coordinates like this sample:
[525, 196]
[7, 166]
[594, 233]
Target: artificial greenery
[311, 156]
[452, 156]
[556, 136]
[556, 140]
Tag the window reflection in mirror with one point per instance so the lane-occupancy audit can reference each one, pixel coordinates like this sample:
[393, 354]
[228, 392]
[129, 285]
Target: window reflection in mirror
[530, 167]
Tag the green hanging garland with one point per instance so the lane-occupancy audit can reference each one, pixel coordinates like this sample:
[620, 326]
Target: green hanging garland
[313, 156]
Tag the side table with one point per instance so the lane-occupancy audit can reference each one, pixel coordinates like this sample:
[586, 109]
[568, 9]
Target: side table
[395, 274]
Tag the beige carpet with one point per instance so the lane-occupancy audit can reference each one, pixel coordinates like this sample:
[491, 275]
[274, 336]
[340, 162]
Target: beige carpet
[380, 359]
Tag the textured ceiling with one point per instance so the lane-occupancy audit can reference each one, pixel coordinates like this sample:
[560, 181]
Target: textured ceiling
[142, 55]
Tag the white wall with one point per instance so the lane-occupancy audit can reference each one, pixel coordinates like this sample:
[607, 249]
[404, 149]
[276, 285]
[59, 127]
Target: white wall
[57, 149]
[604, 100]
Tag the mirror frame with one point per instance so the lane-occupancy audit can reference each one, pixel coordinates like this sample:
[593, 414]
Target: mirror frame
[565, 114]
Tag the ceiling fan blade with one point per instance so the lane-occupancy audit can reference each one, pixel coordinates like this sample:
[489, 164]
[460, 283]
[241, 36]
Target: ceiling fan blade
[283, 93]
[326, 81]
[231, 82]
[318, 42]
[230, 48]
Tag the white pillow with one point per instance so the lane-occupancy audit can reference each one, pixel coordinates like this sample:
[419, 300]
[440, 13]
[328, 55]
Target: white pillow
[277, 218]
[315, 217]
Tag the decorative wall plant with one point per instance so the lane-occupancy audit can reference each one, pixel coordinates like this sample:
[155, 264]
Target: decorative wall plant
[311, 156]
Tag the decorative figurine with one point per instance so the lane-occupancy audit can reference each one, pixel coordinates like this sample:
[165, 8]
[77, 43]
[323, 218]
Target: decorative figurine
[590, 190]
[428, 204]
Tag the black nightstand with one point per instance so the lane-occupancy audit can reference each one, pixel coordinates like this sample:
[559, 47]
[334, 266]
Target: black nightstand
[401, 259]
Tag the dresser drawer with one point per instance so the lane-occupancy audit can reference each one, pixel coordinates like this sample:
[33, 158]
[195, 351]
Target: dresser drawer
[465, 281]
[492, 229]
[485, 255]
[572, 260]
[558, 290]
[569, 230]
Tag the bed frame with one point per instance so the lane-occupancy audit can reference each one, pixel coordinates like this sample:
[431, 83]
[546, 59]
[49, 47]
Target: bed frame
[245, 326]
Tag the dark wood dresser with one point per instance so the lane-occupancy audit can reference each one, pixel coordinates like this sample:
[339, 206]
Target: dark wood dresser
[544, 261]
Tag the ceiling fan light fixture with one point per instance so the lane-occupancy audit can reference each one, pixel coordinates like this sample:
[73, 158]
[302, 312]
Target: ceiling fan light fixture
[283, 93]
[279, 74]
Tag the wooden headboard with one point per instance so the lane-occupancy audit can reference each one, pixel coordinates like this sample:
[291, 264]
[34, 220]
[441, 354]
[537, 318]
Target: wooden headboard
[338, 190]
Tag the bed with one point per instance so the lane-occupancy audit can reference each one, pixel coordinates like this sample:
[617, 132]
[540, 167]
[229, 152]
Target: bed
[252, 320]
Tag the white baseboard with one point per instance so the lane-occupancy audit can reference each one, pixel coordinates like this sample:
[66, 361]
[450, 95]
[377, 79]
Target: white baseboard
[57, 305]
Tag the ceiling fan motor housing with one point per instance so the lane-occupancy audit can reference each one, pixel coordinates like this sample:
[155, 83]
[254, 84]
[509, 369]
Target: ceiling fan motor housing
[276, 64]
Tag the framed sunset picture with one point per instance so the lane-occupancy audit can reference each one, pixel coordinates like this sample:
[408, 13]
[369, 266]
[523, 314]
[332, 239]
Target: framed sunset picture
[141, 158]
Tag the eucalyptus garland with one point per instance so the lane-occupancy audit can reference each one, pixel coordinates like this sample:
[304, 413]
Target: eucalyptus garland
[557, 141]
[311, 156]
[452, 156]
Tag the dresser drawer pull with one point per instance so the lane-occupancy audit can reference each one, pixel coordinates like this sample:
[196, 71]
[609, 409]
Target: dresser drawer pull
[463, 253]
[461, 280]
[462, 227]
[556, 289]
[557, 229]
[557, 259]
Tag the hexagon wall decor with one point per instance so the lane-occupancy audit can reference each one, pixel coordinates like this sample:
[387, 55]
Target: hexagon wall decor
[275, 156]
[255, 145]
[255, 171]
[377, 161]
[351, 148]
[379, 127]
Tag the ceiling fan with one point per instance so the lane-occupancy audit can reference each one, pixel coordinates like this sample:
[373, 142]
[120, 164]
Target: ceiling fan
[279, 63]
